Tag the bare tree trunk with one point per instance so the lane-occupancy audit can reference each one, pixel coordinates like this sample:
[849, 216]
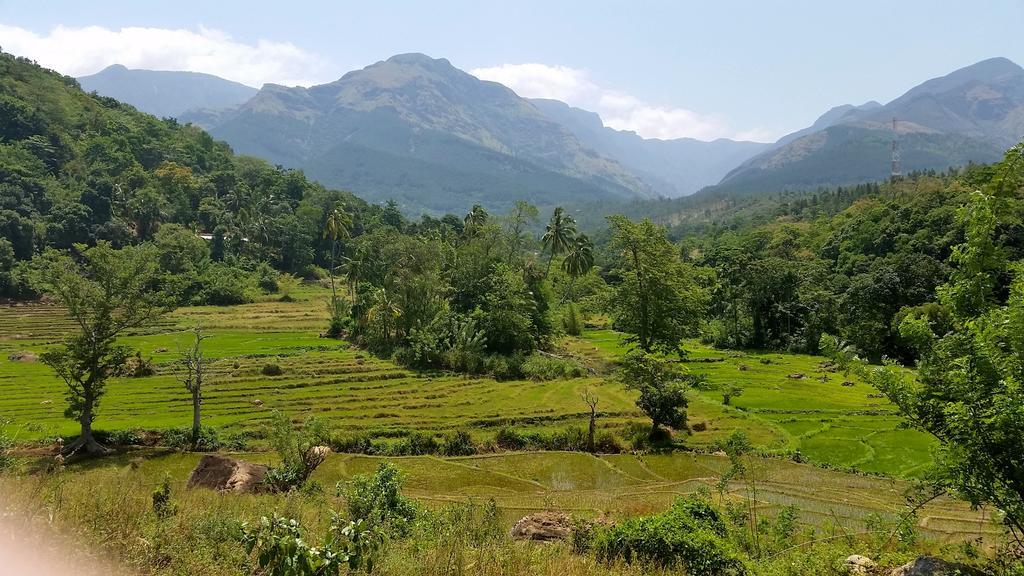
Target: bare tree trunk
[197, 401]
[591, 429]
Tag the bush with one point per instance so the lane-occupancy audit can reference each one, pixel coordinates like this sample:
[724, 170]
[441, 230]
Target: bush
[607, 443]
[224, 285]
[509, 439]
[418, 444]
[271, 370]
[120, 437]
[6, 444]
[458, 443]
[689, 535]
[136, 367]
[210, 440]
[301, 451]
[572, 323]
[352, 444]
[538, 367]
[280, 549]
[378, 501]
[572, 439]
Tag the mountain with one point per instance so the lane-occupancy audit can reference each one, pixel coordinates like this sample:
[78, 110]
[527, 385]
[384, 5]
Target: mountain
[676, 167]
[166, 94]
[970, 115]
[422, 132]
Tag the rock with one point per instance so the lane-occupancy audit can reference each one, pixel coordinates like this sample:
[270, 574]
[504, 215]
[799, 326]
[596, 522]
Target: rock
[160, 350]
[543, 527]
[257, 402]
[932, 566]
[847, 383]
[22, 356]
[796, 376]
[227, 474]
[858, 564]
[743, 367]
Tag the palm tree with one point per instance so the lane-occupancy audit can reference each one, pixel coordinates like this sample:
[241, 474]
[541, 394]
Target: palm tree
[475, 219]
[337, 226]
[560, 231]
[579, 259]
[385, 312]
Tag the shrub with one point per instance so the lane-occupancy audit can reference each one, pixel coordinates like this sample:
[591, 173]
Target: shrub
[6, 444]
[271, 370]
[458, 443]
[509, 439]
[690, 535]
[571, 439]
[538, 367]
[607, 443]
[163, 507]
[378, 501]
[120, 437]
[280, 550]
[224, 285]
[418, 444]
[210, 440]
[301, 451]
[572, 323]
[287, 284]
[136, 367]
[352, 444]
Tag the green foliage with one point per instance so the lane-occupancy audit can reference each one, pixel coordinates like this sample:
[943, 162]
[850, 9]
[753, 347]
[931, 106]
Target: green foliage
[377, 500]
[301, 451]
[280, 549]
[163, 506]
[458, 443]
[111, 292]
[572, 323]
[662, 387]
[689, 535]
[657, 302]
[6, 444]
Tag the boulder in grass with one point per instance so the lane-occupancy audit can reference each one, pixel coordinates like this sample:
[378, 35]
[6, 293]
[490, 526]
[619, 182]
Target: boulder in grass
[543, 527]
[22, 356]
[226, 474]
[932, 566]
[857, 564]
[796, 376]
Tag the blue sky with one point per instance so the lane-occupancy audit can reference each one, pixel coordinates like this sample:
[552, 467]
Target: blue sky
[665, 69]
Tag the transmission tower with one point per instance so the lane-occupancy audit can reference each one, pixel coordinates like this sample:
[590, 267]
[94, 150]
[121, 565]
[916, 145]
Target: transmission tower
[894, 172]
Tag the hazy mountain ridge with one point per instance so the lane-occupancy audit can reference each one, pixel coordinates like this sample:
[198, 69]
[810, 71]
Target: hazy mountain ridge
[166, 94]
[970, 115]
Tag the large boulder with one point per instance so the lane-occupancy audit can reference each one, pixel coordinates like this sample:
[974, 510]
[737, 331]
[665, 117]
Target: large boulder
[222, 473]
[543, 527]
[932, 566]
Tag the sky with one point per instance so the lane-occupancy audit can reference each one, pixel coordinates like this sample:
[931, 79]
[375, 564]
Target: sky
[665, 69]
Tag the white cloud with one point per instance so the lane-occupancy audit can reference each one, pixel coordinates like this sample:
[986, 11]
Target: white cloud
[617, 109]
[81, 51]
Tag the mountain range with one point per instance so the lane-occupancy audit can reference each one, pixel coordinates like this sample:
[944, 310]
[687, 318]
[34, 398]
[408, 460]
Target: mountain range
[420, 131]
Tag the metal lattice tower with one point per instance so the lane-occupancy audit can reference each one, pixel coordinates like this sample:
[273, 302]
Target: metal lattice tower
[894, 172]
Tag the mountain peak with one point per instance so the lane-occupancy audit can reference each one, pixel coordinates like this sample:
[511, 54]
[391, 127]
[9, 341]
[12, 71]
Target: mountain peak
[418, 59]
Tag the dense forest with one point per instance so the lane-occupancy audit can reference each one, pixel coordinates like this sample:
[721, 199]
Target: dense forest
[760, 271]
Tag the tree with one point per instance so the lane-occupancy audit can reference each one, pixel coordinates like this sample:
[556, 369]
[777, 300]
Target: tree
[194, 366]
[475, 220]
[558, 235]
[336, 227]
[662, 389]
[579, 260]
[968, 386]
[107, 294]
[523, 214]
[658, 301]
[591, 400]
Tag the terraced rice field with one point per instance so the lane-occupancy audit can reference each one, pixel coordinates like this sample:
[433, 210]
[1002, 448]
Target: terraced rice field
[612, 486]
[831, 418]
[845, 426]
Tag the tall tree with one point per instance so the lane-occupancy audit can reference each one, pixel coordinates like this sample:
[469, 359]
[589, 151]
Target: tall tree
[578, 260]
[523, 214]
[109, 293]
[558, 235]
[194, 365]
[591, 400]
[475, 220]
[337, 226]
[658, 301]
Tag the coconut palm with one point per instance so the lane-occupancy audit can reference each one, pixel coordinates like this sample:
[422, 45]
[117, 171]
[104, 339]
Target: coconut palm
[384, 313]
[558, 234]
[475, 219]
[337, 226]
[579, 259]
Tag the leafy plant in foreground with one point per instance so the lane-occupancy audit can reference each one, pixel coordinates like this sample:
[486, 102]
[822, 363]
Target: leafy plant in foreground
[280, 550]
